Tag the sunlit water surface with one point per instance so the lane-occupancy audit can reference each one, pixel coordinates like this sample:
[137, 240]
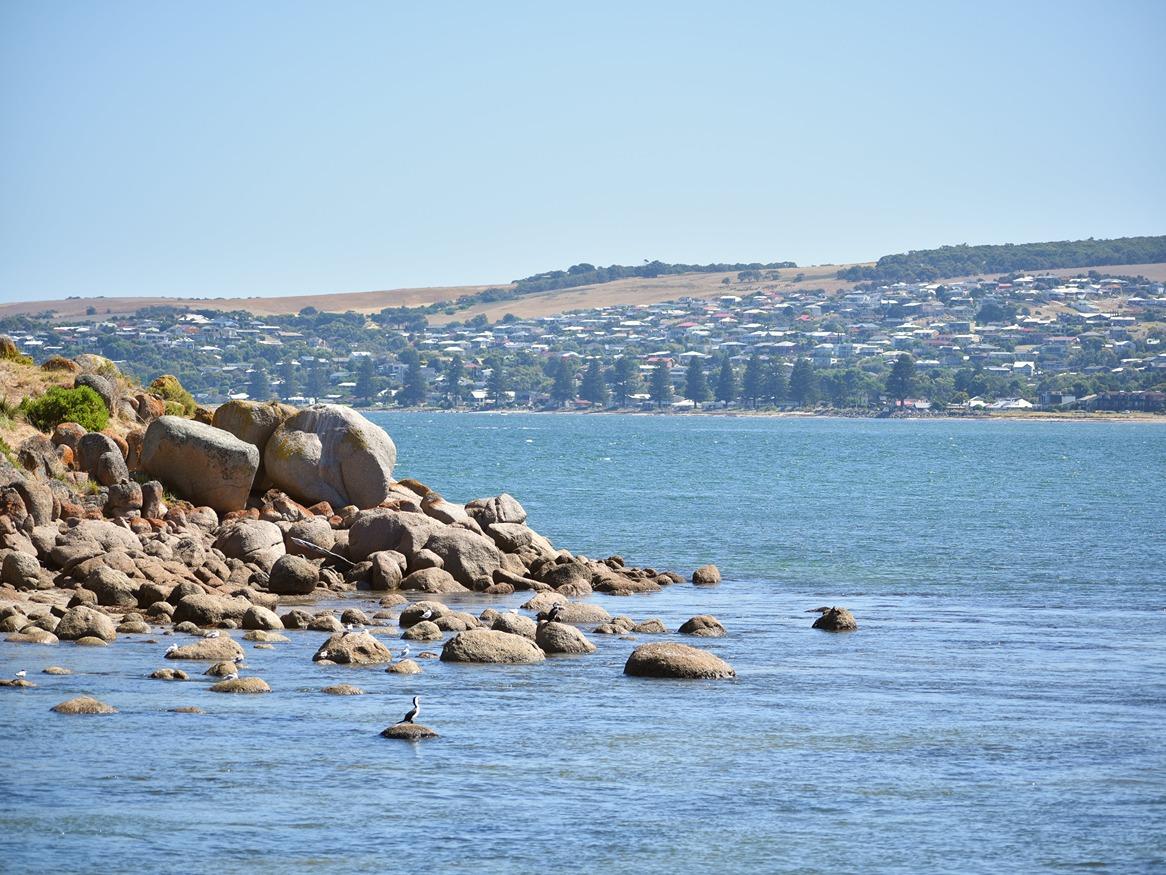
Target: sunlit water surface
[1002, 707]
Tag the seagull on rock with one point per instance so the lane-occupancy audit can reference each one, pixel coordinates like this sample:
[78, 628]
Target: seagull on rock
[213, 633]
[414, 711]
[22, 674]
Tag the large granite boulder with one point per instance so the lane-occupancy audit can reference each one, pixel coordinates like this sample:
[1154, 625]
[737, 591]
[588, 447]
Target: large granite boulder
[205, 464]
[221, 649]
[331, 453]
[502, 508]
[384, 529]
[353, 648]
[204, 609]
[431, 580]
[293, 575]
[255, 541]
[90, 448]
[85, 622]
[253, 422]
[488, 645]
[676, 661]
[561, 638]
[468, 557]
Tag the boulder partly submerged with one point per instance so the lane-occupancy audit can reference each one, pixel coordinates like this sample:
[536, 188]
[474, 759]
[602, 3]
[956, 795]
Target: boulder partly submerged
[84, 705]
[836, 620]
[353, 648]
[249, 685]
[331, 453]
[562, 638]
[202, 463]
[491, 646]
[663, 660]
[409, 731]
[221, 649]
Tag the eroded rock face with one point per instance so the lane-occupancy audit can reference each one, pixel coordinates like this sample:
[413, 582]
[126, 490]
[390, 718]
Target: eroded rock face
[202, 463]
[331, 453]
[502, 508]
[663, 660]
[488, 645]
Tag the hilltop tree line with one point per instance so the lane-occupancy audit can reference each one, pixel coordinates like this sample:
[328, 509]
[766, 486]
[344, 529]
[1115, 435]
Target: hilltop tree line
[584, 274]
[923, 265]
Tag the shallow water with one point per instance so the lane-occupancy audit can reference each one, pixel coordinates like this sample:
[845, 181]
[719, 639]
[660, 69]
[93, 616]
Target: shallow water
[1000, 708]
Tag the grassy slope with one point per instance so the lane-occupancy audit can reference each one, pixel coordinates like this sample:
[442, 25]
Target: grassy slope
[622, 292]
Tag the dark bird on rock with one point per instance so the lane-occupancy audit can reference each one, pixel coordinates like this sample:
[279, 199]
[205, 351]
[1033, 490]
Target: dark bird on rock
[414, 711]
[817, 610]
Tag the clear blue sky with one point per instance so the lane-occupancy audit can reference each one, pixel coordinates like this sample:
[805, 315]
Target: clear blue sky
[262, 148]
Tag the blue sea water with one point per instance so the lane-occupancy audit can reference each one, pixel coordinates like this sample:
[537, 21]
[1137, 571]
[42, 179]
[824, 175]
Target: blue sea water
[1001, 708]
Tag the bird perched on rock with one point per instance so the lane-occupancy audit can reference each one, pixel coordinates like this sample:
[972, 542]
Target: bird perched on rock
[233, 676]
[171, 649]
[213, 633]
[239, 659]
[414, 711]
[552, 616]
[404, 653]
[22, 674]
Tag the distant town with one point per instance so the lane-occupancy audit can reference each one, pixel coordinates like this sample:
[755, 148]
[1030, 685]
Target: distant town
[1096, 341]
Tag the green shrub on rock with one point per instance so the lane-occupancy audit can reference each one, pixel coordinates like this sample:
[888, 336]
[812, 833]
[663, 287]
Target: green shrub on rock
[169, 389]
[81, 405]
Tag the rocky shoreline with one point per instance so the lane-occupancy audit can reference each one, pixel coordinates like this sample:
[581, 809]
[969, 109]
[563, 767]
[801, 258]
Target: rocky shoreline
[225, 533]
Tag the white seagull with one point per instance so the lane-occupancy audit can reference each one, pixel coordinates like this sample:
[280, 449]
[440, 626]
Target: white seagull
[211, 634]
[22, 674]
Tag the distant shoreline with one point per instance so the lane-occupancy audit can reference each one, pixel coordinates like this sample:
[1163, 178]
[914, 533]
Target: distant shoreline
[994, 416]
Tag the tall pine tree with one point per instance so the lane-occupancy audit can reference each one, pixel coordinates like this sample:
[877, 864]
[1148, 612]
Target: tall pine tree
[726, 382]
[593, 388]
[696, 386]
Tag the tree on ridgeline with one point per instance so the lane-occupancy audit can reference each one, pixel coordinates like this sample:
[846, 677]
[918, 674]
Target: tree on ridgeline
[625, 379]
[901, 380]
[753, 382]
[259, 385]
[455, 372]
[496, 384]
[803, 384]
[593, 388]
[696, 385]
[726, 382]
[774, 387]
[366, 386]
[563, 377]
[660, 389]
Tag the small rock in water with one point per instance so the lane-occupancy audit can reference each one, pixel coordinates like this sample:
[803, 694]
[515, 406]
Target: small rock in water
[706, 575]
[241, 685]
[56, 669]
[84, 705]
[343, 690]
[836, 620]
[187, 709]
[650, 627]
[409, 731]
[404, 666]
[676, 661]
[169, 674]
[16, 682]
[703, 625]
[222, 669]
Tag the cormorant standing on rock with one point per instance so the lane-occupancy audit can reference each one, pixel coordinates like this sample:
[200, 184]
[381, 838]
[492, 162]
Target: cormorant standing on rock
[552, 616]
[414, 711]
